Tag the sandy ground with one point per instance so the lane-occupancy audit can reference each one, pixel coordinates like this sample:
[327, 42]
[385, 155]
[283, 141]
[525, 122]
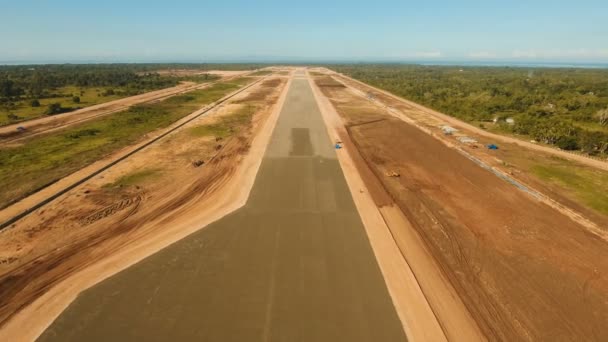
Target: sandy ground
[294, 264]
[93, 232]
[10, 135]
[524, 270]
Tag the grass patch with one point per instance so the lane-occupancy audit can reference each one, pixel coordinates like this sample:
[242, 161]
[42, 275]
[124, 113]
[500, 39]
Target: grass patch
[589, 186]
[219, 130]
[44, 159]
[89, 96]
[135, 178]
[227, 125]
[242, 80]
[204, 78]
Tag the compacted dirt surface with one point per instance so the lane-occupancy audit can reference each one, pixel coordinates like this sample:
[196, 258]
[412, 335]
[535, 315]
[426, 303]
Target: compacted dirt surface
[523, 269]
[294, 264]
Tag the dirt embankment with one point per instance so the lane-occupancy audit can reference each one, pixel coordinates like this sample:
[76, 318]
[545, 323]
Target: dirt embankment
[523, 270]
[119, 207]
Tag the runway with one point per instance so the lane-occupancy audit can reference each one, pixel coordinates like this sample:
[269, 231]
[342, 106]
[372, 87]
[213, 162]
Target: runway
[294, 264]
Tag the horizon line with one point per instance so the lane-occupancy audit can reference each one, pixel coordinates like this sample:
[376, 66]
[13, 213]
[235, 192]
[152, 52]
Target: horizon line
[303, 61]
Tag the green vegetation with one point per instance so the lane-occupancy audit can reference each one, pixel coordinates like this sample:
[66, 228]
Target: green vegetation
[227, 125]
[135, 178]
[241, 80]
[261, 73]
[26, 91]
[20, 109]
[564, 107]
[588, 186]
[44, 159]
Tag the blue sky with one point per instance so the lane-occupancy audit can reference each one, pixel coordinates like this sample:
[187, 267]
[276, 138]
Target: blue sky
[110, 30]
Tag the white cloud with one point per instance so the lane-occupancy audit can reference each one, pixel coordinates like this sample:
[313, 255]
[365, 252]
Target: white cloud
[482, 54]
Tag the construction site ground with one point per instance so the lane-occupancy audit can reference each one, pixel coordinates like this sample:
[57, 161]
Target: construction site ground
[294, 264]
[312, 210]
[130, 201]
[524, 267]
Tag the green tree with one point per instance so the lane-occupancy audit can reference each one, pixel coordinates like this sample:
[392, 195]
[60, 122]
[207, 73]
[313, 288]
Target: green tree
[54, 108]
[568, 143]
[592, 142]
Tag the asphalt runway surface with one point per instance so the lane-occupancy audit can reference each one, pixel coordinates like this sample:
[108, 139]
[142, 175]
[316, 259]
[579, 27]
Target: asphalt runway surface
[294, 264]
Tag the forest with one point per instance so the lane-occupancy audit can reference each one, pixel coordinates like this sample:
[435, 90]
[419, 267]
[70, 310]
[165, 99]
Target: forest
[38, 81]
[28, 91]
[558, 106]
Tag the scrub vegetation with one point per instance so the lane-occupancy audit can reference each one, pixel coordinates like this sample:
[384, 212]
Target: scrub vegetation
[567, 108]
[226, 125]
[588, 186]
[135, 178]
[44, 159]
[31, 91]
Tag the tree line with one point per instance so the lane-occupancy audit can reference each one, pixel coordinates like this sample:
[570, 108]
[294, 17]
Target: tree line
[564, 107]
[34, 82]
[39, 81]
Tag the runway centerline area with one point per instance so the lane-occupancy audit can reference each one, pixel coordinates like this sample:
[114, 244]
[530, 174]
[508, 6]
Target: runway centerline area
[294, 264]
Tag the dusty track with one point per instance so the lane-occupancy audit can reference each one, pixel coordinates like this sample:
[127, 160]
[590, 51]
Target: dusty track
[134, 228]
[523, 270]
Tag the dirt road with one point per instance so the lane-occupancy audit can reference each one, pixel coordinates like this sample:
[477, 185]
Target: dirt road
[294, 264]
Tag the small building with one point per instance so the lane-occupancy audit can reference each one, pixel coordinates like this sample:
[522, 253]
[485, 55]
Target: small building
[510, 121]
